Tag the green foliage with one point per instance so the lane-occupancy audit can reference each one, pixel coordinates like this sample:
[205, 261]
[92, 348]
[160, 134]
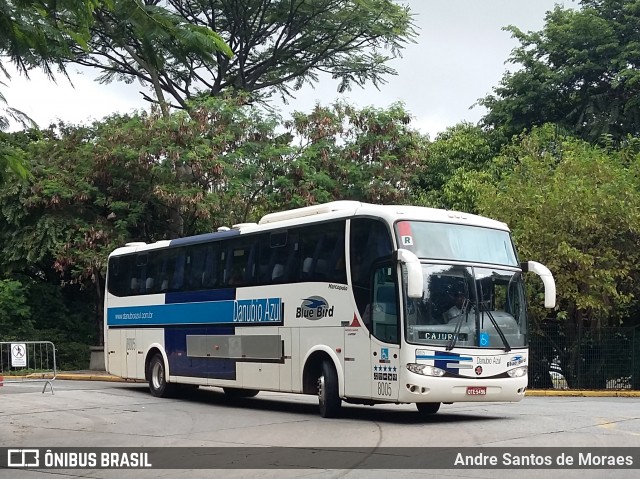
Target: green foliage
[576, 208]
[31, 310]
[581, 72]
[12, 160]
[368, 155]
[16, 321]
[277, 45]
[454, 165]
[40, 33]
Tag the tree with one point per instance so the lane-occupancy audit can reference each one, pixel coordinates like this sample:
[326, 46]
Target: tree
[345, 153]
[574, 207]
[40, 33]
[452, 164]
[47, 33]
[582, 71]
[37, 33]
[278, 45]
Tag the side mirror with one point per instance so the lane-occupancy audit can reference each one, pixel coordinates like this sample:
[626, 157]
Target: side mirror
[547, 279]
[414, 272]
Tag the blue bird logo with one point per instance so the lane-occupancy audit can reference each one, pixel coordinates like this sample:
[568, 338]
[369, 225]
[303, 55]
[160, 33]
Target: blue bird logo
[314, 303]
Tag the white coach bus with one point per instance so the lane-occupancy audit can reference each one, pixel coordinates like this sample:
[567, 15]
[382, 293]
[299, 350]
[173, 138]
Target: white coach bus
[348, 301]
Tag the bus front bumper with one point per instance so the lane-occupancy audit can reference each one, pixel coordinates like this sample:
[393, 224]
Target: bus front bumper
[416, 388]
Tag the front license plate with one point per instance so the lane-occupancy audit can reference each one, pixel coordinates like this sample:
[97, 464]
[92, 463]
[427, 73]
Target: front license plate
[476, 391]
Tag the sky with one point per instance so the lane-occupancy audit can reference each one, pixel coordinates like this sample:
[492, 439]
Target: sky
[460, 54]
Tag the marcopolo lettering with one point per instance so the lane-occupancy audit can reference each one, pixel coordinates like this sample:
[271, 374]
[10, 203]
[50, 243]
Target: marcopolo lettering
[314, 308]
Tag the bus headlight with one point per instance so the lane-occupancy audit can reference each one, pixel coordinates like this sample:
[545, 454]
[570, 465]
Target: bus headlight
[425, 370]
[517, 372]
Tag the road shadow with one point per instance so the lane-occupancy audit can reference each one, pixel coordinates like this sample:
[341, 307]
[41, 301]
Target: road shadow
[379, 413]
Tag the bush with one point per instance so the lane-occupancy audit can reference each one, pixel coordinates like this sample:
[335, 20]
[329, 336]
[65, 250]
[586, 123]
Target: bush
[37, 311]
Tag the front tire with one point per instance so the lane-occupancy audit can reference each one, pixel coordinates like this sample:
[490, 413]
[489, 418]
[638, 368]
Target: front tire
[428, 407]
[329, 401]
[158, 378]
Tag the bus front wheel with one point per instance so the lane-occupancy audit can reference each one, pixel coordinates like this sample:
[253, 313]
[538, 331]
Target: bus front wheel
[328, 399]
[158, 378]
[428, 407]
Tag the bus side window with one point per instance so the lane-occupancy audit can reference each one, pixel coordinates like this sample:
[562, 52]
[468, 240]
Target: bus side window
[322, 248]
[292, 264]
[196, 256]
[274, 258]
[120, 275]
[177, 280]
[240, 267]
[139, 279]
[384, 311]
[209, 275]
[370, 240]
[151, 282]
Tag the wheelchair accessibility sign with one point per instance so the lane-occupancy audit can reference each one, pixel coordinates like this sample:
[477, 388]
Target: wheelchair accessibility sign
[484, 339]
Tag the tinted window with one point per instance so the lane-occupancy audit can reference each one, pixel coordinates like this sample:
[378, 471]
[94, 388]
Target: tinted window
[322, 253]
[370, 241]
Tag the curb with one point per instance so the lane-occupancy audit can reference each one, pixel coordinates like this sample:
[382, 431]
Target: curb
[580, 393]
[84, 377]
[530, 392]
[96, 377]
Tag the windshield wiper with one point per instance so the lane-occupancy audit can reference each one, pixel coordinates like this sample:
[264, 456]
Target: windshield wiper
[485, 309]
[452, 342]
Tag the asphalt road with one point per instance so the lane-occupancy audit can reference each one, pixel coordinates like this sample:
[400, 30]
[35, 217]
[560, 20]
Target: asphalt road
[107, 414]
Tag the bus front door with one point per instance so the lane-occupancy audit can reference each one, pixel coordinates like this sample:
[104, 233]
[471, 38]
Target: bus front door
[384, 344]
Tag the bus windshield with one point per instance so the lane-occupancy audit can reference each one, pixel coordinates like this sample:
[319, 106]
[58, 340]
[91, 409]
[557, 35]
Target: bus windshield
[445, 241]
[468, 307]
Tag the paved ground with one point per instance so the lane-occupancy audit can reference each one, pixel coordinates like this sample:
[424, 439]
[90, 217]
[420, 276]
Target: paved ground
[104, 376]
[120, 414]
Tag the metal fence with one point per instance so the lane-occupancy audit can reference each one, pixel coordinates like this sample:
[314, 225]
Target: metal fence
[28, 361]
[567, 357]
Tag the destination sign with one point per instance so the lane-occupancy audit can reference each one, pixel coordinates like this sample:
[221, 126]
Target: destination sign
[441, 336]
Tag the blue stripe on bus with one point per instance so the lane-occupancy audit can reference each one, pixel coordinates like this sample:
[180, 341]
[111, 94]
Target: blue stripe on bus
[187, 313]
[200, 296]
[446, 358]
[175, 341]
[247, 311]
[203, 238]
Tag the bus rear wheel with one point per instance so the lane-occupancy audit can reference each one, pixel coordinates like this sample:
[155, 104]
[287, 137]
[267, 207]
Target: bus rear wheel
[240, 393]
[158, 378]
[428, 407]
[328, 400]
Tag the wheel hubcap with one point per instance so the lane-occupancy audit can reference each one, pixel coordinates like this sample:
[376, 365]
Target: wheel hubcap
[321, 389]
[157, 376]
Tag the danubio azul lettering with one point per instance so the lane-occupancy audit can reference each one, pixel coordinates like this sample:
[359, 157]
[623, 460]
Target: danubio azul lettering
[264, 310]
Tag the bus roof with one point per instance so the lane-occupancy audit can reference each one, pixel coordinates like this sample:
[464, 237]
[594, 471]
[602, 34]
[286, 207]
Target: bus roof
[326, 212]
[390, 213]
